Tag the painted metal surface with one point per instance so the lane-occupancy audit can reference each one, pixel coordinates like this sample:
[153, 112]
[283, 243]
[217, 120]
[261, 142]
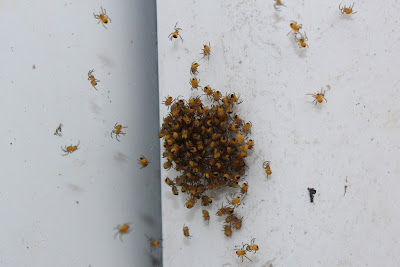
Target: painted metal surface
[351, 141]
[61, 210]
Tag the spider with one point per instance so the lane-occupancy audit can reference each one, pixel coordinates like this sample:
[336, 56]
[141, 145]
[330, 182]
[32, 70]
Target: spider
[206, 50]
[278, 3]
[241, 253]
[319, 97]
[302, 40]
[295, 28]
[175, 34]
[122, 230]
[93, 80]
[102, 17]
[117, 131]
[69, 149]
[347, 10]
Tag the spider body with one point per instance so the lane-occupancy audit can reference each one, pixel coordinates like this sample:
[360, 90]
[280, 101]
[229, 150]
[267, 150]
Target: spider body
[194, 83]
[93, 80]
[227, 230]
[302, 40]
[241, 253]
[244, 188]
[175, 34]
[347, 10]
[277, 4]
[238, 223]
[267, 168]
[117, 131]
[102, 17]
[206, 51]
[252, 247]
[175, 190]
[122, 230]
[143, 161]
[295, 27]
[69, 149]
[319, 97]
[193, 68]
[206, 215]
[154, 243]
[186, 231]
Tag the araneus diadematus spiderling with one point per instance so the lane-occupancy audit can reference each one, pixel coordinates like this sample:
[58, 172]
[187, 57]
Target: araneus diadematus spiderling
[348, 10]
[302, 40]
[93, 80]
[277, 4]
[175, 34]
[122, 230]
[102, 17]
[70, 149]
[118, 130]
[319, 97]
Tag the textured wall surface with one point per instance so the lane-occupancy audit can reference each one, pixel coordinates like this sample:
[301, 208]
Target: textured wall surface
[61, 211]
[352, 140]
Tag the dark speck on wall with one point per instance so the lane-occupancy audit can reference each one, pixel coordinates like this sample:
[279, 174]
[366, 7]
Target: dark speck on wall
[312, 192]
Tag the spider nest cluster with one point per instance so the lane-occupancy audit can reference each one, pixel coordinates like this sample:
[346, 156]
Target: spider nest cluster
[208, 146]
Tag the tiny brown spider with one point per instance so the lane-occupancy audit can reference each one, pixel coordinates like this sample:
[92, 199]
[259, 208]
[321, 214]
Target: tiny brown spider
[69, 149]
[319, 97]
[102, 17]
[348, 10]
[277, 4]
[117, 131]
[175, 34]
[302, 40]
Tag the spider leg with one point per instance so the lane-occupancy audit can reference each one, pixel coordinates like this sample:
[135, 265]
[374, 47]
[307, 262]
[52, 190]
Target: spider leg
[116, 137]
[248, 258]
[103, 25]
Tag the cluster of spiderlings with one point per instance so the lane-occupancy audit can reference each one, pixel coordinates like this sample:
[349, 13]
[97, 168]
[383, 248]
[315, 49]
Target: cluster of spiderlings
[231, 220]
[208, 145]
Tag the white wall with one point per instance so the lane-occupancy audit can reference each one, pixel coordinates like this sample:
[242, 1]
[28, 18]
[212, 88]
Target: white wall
[353, 137]
[61, 211]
